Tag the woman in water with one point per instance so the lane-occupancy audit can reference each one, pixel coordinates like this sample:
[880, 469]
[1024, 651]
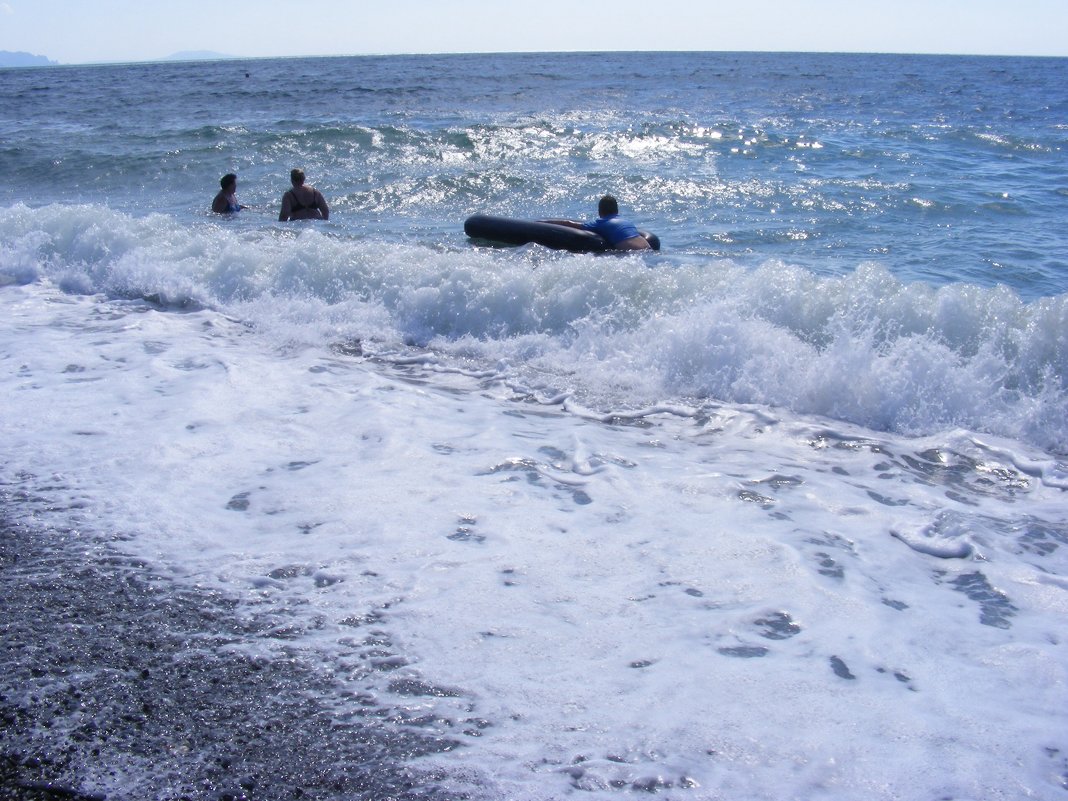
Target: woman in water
[303, 202]
[226, 201]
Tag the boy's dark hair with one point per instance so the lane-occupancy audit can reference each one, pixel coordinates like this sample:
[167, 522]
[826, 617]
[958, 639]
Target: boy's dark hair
[607, 207]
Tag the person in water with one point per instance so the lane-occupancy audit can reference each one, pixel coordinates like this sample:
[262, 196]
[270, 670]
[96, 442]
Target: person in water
[303, 202]
[617, 232]
[226, 201]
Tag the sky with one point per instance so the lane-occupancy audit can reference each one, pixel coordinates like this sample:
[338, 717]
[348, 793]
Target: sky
[89, 31]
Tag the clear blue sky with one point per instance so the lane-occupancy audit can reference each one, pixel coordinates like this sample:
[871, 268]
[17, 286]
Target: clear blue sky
[80, 31]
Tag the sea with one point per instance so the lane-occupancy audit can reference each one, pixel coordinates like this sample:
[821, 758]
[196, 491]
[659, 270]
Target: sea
[777, 512]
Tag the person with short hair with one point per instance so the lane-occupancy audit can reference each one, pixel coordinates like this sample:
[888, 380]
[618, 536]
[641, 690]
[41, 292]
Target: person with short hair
[303, 202]
[617, 232]
[226, 201]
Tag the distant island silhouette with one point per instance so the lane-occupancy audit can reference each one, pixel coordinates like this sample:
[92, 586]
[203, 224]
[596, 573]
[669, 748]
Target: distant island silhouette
[9, 58]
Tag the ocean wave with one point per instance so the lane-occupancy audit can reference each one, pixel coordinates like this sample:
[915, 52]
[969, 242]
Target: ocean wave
[863, 347]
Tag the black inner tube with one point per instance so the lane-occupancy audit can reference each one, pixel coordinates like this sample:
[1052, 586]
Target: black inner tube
[542, 232]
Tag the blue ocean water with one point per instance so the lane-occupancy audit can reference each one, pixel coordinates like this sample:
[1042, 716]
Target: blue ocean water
[944, 169]
[812, 450]
[893, 182]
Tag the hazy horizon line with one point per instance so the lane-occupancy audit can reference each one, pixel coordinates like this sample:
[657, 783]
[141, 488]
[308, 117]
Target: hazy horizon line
[190, 56]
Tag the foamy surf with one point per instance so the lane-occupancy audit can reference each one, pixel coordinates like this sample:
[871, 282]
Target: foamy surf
[774, 512]
[677, 601]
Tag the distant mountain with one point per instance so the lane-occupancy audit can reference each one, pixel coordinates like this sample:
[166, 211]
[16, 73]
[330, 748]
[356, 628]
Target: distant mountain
[198, 55]
[10, 59]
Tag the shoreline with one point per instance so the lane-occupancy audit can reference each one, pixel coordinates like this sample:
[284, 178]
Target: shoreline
[114, 685]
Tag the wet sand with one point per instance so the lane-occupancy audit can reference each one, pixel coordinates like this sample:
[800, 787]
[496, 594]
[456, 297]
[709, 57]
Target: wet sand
[117, 683]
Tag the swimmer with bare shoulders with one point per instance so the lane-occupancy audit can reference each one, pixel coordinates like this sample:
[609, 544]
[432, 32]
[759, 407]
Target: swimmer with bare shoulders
[226, 201]
[303, 202]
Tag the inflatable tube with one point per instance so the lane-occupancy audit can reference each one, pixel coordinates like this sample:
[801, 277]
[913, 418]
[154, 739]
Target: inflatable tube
[522, 232]
[542, 232]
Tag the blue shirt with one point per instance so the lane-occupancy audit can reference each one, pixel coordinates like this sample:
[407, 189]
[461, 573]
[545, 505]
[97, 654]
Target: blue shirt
[614, 229]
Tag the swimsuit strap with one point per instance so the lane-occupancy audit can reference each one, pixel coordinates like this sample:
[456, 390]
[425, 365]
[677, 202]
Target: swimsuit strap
[296, 205]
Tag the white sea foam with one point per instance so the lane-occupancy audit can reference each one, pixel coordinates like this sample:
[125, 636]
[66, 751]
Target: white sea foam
[615, 332]
[718, 600]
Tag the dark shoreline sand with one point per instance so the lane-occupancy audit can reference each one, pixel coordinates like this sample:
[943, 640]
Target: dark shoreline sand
[113, 684]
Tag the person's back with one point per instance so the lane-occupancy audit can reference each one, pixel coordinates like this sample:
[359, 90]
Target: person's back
[303, 202]
[619, 233]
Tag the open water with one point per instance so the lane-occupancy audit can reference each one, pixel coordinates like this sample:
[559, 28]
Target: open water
[777, 512]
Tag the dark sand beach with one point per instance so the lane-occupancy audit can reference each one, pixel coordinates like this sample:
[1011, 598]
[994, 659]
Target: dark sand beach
[113, 676]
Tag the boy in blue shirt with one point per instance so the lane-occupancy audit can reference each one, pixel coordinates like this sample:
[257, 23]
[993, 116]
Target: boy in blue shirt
[619, 233]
